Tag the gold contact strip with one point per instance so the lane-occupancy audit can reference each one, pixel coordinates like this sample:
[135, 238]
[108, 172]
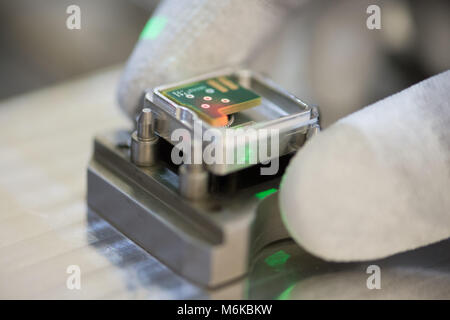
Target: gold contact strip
[230, 84]
[216, 85]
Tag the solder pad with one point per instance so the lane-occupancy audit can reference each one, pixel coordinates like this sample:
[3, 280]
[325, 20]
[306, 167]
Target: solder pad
[214, 98]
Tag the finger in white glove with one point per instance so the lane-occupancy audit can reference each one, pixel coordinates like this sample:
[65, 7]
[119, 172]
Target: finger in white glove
[377, 182]
[187, 38]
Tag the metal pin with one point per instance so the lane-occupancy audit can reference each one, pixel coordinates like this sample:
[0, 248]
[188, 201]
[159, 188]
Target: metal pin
[145, 125]
[144, 141]
[193, 181]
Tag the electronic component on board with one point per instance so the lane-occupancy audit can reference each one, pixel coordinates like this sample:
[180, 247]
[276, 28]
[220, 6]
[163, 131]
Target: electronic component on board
[214, 99]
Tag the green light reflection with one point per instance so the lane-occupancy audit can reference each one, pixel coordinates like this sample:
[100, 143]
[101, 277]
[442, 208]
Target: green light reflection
[286, 294]
[265, 193]
[153, 27]
[277, 259]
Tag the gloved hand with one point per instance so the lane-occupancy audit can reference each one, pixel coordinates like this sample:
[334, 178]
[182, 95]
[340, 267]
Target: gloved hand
[375, 183]
[195, 37]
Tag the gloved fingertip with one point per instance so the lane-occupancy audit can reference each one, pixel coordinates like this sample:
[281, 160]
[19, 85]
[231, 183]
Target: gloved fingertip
[375, 183]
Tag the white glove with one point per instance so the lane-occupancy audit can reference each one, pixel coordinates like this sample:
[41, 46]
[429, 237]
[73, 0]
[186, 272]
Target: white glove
[377, 182]
[194, 37]
[373, 184]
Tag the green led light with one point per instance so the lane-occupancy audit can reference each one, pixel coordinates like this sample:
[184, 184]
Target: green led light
[286, 294]
[277, 259]
[153, 27]
[265, 193]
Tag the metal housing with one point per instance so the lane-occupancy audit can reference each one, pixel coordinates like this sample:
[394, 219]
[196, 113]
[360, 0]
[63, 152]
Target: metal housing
[203, 221]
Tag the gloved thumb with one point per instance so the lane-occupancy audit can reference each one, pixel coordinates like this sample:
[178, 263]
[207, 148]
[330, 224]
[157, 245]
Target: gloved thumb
[376, 182]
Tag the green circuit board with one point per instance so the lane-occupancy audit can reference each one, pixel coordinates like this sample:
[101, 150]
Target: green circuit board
[214, 99]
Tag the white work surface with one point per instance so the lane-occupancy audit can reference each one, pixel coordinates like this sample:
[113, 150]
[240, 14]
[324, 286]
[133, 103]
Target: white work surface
[44, 227]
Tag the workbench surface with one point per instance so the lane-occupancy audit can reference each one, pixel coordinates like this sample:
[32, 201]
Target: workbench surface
[45, 226]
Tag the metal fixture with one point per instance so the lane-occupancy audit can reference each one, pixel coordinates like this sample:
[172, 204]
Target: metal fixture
[205, 221]
[144, 141]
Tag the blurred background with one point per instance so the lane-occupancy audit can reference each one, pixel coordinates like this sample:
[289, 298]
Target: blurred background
[325, 54]
[38, 50]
